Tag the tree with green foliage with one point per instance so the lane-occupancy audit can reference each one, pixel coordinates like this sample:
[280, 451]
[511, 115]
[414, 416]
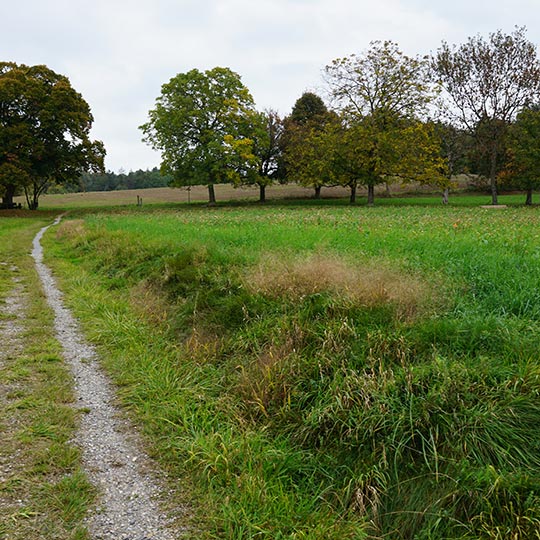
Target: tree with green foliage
[382, 95]
[368, 156]
[267, 131]
[44, 136]
[307, 109]
[523, 167]
[311, 150]
[487, 82]
[382, 81]
[307, 124]
[201, 124]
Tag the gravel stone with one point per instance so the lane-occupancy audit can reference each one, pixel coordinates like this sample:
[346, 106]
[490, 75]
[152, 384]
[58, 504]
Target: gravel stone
[114, 462]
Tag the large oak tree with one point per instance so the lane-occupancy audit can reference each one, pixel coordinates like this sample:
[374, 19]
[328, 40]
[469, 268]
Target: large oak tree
[201, 123]
[44, 132]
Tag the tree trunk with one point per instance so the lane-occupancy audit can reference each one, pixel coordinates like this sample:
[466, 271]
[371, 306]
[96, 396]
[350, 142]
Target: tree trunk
[262, 193]
[371, 195]
[7, 199]
[318, 192]
[211, 195]
[352, 198]
[445, 196]
[528, 200]
[32, 199]
[388, 192]
[493, 177]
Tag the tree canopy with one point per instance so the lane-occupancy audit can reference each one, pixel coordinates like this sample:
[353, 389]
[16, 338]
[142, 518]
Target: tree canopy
[201, 124]
[44, 135]
[307, 108]
[382, 81]
[382, 94]
[486, 83]
[523, 167]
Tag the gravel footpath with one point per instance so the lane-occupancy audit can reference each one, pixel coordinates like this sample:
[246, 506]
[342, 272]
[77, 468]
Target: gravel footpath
[127, 509]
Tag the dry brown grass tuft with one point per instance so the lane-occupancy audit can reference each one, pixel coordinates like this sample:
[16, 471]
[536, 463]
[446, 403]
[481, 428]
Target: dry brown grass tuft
[266, 382]
[151, 303]
[372, 284]
[71, 229]
[202, 345]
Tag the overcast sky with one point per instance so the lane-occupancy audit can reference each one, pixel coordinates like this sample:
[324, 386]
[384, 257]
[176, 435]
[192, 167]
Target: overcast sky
[118, 53]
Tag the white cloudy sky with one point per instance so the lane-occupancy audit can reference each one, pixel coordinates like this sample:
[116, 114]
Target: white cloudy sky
[118, 53]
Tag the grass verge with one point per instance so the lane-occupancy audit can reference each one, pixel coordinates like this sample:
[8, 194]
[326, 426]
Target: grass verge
[294, 404]
[43, 492]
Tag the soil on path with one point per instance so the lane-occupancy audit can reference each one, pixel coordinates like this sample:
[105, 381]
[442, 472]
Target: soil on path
[116, 465]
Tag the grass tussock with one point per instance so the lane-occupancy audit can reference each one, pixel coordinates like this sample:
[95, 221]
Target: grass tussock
[149, 301]
[71, 229]
[367, 285]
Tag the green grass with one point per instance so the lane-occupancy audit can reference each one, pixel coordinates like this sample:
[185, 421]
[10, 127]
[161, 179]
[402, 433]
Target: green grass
[330, 413]
[43, 493]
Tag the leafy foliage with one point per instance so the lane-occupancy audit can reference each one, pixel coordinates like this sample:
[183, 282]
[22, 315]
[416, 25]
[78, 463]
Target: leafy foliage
[382, 94]
[201, 126]
[523, 168]
[487, 82]
[45, 132]
[381, 81]
[307, 109]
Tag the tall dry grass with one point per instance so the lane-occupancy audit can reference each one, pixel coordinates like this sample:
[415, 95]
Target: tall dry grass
[370, 284]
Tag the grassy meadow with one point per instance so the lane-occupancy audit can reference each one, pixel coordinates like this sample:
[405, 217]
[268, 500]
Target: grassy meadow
[324, 372]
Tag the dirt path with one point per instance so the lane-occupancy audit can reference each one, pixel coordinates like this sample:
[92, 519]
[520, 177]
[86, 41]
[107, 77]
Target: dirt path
[114, 462]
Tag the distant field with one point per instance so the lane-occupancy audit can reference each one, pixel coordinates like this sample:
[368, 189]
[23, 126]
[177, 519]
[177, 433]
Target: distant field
[224, 192]
[414, 195]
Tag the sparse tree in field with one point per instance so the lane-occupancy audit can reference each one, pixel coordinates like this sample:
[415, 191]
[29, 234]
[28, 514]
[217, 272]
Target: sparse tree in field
[487, 82]
[382, 94]
[44, 135]
[201, 124]
[523, 167]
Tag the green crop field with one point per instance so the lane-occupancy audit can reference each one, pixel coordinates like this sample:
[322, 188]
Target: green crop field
[324, 372]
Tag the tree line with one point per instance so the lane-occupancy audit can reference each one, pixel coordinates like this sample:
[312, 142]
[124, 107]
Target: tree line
[111, 181]
[388, 118]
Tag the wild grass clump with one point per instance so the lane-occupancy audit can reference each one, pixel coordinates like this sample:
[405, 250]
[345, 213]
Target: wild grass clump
[327, 375]
[365, 285]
